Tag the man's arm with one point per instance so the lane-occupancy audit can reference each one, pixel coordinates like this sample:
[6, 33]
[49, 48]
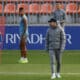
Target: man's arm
[53, 15]
[25, 26]
[62, 41]
[47, 41]
[64, 17]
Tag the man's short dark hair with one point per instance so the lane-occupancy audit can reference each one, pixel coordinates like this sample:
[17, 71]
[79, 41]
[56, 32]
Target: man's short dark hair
[21, 9]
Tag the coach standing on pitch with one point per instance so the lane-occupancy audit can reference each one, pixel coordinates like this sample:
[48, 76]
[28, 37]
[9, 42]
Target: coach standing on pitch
[55, 44]
[60, 15]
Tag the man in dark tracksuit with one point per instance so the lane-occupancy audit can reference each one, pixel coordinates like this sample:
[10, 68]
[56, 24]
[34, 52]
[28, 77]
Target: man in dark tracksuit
[60, 15]
[55, 44]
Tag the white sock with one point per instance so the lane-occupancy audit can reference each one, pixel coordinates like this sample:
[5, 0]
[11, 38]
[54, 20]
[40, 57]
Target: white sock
[22, 58]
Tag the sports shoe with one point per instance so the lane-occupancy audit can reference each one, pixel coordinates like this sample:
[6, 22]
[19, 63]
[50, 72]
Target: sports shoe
[23, 61]
[53, 76]
[58, 75]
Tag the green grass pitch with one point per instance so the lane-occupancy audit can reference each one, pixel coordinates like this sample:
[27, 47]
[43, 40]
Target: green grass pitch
[38, 67]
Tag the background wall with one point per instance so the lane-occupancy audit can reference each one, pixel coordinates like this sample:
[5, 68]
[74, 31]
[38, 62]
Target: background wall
[36, 39]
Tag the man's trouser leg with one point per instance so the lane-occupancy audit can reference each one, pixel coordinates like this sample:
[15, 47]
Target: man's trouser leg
[52, 60]
[58, 60]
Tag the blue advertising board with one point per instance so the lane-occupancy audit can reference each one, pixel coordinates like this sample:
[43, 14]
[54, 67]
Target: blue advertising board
[36, 39]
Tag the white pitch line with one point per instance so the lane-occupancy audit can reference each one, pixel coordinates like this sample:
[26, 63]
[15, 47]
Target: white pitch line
[33, 73]
[70, 73]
